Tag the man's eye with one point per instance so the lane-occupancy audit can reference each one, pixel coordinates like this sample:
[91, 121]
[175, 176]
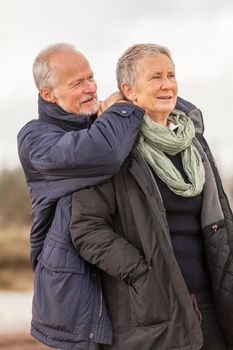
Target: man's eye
[77, 83]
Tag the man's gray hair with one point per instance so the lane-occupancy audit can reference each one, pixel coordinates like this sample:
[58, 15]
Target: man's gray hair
[42, 72]
[126, 70]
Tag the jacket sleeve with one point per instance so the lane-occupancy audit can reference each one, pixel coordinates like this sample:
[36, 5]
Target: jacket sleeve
[99, 150]
[93, 235]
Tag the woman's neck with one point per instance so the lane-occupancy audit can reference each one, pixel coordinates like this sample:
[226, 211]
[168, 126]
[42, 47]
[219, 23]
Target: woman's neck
[161, 119]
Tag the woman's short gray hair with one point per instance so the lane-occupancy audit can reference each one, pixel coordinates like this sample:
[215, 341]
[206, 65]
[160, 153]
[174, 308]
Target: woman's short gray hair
[126, 70]
[42, 72]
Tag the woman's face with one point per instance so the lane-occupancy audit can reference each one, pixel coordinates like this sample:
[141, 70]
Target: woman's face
[155, 88]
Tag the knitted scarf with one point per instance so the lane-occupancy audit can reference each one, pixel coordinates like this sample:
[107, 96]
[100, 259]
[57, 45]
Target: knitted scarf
[156, 140]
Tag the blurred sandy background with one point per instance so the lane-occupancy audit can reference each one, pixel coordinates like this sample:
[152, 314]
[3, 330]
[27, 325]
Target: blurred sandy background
[16, 277]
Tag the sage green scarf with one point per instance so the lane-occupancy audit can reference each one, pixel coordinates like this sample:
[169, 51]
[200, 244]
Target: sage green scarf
[156, 140]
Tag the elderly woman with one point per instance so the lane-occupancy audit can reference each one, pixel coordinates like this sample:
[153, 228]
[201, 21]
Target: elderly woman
[161, 229]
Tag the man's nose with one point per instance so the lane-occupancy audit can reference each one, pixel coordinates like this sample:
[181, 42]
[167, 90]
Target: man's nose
[90, 87]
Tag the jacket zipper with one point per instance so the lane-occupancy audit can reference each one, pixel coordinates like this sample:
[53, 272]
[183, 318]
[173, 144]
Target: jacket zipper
[213, 228]
[101, 304]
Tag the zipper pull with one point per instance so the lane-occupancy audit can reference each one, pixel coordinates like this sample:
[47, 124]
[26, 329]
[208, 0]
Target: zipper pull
[214, 228]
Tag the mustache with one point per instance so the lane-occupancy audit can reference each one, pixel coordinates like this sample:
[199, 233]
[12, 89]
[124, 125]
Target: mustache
[88, 98]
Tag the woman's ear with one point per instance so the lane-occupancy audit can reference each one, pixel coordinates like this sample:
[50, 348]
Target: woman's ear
[47, 95]
[128, 92]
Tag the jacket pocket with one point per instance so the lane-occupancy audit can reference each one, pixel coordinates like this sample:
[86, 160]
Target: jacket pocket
[210, 230]
[63, 290]
[58, 257]
[149, 302]
[216, 246]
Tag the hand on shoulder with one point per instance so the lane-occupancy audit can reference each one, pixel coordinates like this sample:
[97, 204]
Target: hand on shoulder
[116, 97]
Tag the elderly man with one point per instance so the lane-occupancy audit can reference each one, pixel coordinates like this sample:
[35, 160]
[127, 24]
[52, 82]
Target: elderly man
[65, 149]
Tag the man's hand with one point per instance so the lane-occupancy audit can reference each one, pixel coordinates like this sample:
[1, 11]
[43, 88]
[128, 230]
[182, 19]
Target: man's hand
[109, 101]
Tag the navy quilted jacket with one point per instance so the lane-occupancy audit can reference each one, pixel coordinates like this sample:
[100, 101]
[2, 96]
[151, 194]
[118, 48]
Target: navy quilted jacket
[61, 153]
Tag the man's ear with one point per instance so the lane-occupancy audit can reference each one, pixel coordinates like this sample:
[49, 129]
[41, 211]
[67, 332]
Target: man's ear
[47, 95]
[128, 92]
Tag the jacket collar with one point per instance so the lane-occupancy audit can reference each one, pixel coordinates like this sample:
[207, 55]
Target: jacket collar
[52, 113]
[191, 111]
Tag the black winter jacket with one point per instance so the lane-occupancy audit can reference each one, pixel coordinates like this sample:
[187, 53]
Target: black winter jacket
[121, 227]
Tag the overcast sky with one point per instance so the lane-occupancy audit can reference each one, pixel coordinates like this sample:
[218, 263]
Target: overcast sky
[198, 32]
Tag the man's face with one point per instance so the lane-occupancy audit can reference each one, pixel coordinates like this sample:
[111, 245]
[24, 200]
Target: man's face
[155, 87]
[76, 89]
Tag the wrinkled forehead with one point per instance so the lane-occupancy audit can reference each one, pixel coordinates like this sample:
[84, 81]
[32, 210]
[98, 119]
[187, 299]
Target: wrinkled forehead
[152, 62]
[69, 65]
[67, 60]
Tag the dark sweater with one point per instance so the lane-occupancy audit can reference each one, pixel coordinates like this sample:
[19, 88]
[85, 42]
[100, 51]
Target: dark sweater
[183, 216]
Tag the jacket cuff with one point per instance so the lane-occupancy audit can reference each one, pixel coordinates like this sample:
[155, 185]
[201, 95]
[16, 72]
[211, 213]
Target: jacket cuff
[138, 272]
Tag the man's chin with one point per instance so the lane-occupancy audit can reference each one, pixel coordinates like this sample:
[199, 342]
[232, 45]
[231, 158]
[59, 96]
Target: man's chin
[89, 111]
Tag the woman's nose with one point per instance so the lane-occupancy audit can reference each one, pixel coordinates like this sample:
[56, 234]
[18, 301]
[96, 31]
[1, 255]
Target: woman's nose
[166, 84]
